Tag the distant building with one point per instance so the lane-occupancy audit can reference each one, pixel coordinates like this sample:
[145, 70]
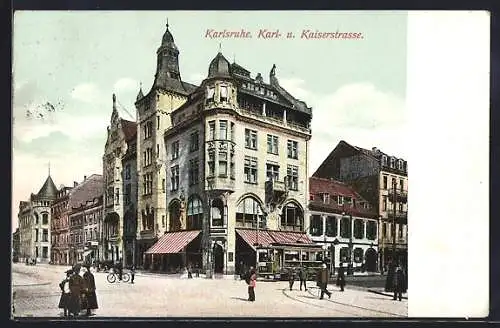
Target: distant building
[60, 226]
[34, 223]
[85, 220]
[15, 245]
[120, 132]
[381, 179]
[344, 223]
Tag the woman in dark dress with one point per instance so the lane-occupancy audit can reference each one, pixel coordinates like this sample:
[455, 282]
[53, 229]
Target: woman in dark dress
[90, 296]
[341, 278]
[76, 286]
[64, 301]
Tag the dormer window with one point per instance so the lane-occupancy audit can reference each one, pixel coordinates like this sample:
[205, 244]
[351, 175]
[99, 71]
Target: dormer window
[384, 160]
[340, 200]
[393, 162]
[325, 197]
[223, 93]
[400, 165]
[347, 200]
[210, 94]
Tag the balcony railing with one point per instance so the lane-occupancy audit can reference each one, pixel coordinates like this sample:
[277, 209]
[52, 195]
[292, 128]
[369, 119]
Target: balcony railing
[275, 186]
[399, 214]
[220, 183]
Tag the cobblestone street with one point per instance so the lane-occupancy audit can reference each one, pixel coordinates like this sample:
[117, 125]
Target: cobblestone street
[37, 295]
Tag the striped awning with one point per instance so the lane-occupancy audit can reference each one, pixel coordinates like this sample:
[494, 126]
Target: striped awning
[173, 242]
[252, 236]
[290, 237]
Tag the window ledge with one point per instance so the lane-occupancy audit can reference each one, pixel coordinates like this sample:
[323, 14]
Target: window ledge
[251, 183]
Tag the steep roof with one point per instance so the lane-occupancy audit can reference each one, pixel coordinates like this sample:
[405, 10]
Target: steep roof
[48, 190]
[337, 188]
[129, 129]
[88, 190]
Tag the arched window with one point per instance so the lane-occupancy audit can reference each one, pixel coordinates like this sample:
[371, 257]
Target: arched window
[194, 214]
[217, 213]
[358, 255]
[36, 217]
[174, 216]
[248, 213]
[292, 217]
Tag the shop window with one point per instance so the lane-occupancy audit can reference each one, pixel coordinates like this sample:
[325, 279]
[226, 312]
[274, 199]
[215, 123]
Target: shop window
[194, 214]
[359, 229]
[358, 255]
[316, 225]
[344, 254]
[371, 230]
[331, 226]
[345, 228]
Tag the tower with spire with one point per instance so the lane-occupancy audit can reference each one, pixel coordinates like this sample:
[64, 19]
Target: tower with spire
[34, 221]
[168, 93]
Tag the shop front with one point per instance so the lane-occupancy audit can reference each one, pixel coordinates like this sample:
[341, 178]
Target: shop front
[175, 251]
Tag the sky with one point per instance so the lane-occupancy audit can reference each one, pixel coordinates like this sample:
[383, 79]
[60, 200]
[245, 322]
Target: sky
[75, 61]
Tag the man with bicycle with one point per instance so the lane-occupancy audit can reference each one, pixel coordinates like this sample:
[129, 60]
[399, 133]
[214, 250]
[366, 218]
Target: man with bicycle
[119, 269]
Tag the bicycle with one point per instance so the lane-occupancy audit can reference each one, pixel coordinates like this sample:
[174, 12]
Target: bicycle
[113, 276]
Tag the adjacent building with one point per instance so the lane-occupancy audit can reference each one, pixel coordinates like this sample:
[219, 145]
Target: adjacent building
[60, 211]
[231, 169]
[34, 223]
[381, 179]
[119, 132]
[344, 223]
[85, 220]
[130, 189]
[15, 245]
[167, 94]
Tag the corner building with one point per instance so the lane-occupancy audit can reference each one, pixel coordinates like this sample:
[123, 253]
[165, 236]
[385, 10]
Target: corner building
[235, 162]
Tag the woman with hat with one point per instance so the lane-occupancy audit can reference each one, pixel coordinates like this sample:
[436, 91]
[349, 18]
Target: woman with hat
[76, 286]
[90, 296]
[64, 301]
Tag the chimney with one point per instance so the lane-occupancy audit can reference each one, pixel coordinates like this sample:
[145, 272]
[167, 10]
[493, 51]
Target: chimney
[84, 178]
[75, 184]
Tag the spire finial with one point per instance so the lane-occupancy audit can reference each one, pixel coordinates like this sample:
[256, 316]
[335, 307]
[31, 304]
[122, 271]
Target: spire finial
[140, 85]
[234, 58]
[114, 101]
[167, 23]
[49, 168]
[220, 47]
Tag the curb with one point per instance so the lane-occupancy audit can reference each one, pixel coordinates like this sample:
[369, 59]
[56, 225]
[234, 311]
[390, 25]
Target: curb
[385, 293]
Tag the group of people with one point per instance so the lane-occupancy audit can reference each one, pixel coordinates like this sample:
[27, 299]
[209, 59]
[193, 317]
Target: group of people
[323, 278]
[78, 292]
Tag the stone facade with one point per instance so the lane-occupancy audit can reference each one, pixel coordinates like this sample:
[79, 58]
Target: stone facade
[130, 189]
[168, 93]
[35, 222]
[381, 179]
[119, 131]
[60, 226]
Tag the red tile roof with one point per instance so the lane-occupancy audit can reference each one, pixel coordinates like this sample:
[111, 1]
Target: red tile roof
[88, 190]
[332, 187]
[129, 129]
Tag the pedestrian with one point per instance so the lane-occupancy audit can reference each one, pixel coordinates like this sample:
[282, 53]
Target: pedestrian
[119, 269]
[303, 278]
[64, 301]
[251, 285]
[90, 295]
[399, 282]
[190, 274]
[323, 282]
[291, 278]
[341, 278]
[132, 273]
[76, 286]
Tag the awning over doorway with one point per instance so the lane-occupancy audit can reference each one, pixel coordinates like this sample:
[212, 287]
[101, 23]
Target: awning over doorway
[252, 236]
[173, 242]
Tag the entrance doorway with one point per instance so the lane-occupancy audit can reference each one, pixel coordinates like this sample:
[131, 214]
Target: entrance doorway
[218, 259]
[371, 260]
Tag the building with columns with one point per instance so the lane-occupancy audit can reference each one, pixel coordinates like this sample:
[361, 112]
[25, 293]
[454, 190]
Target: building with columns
[344, 223]
[60, 226]
[382, 180]
[34, 224]
[167, 94]
[120, 131]
[234, 173]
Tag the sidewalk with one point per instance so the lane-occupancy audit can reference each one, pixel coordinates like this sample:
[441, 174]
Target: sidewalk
[381, 291]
